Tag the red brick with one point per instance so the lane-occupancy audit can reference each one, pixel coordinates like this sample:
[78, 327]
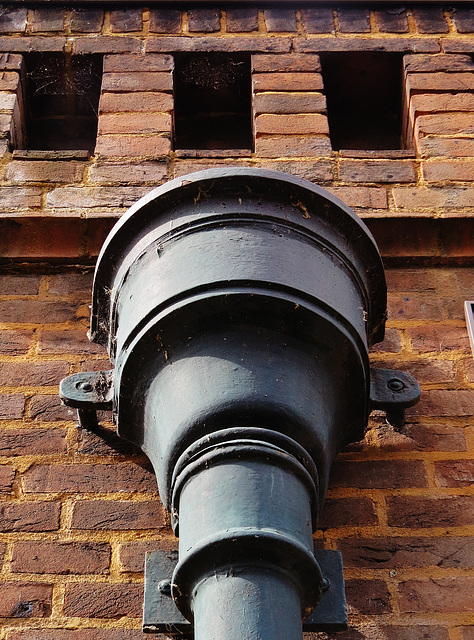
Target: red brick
[165, 44]
[429, 371]
[104, 478]
[347, 512]
[318, 19]
[23, 442]
[276, 102]
[354, 20]
[27, 44]
[363, 197]
[419, 198]
[13, 19]
[15, 343]
[205, 20]
[444, 403]
[367, 597]
[125, 20]
[36, 311]
[134, 123]
[393, 20]
[71, 284]
[48, 19]
[292, 146]
[20, 197]
[101, 515]
[7, 475]
[80, 634]
[90, 197]
[25, 600]
[50, 409]
[442, 62]
[440, 170]
[454, 473]
[421, 511]
[445, 124]
[377, 171]
[14, 285]
[394, 553]
[11, 406]
[430, 20]
[138, 62]
[104, 600]
[9, 61]
[378, 474]
[280, 19]
[421, 280]
[105, 442]
[106, 44]
[319, 170]
[292, 124]
[66, 341]
[440, 81]
[458, 45]
[288, 82]
[165, 21]
[463, 18]
[86, 20]
[439, 595]
[285, 63]
[137, 81]
[132, 554]
[391, 342]
[438, 338]
[242, 20]
[467, 633]
[146, 173]
[9, 80]
[436, 102]
[29, 516]
[60, 557]
[33, 374]
[129, 146]
[368, 43]
[137, 101]
[37, 171]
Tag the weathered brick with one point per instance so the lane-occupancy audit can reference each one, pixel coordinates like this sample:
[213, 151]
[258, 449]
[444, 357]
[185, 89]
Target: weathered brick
[47, 19]
[104, 600]
[288, 82]
[25, 600]
[132, 146]
[90, 197]
[13, 19]
[367, 597]
[36, 311]
[137, 81]
[318, 20]
[440, 595]
[292, 146]
[280, 19]
[454, 170]
[7, 101]
[7, 474]
[421, 280]
[289, 102]
[124, 20]
[71, 284]
[60, 557]
[34, 374]
[347, 512]
[422, 307]
[354, 20]
[440, 81]
[66, 341]
[418, 437]
[20, 197]
[432, 103]
[394, 553]
[165, 21]
[14, 343]
[442, 62]
[463, 18]
[292, 124]
[392, 20]
[241, 19]
[419, 198]
[377, 170]
[454, 473]
[105, 442]
[430, 20]
[26, 44]
[149, 172]
[49, 409]
[421, 511]
[16, 285]
[24, 442]
[87, 20]
[11, 406]
[3, 548]
[319, 170]
[362, 197]
[29, 516]
[378, 474]
[391, 341]
[137, 62]
[32, 171]
[106, 44]
[102, 515]
[132, 554]
[438, 338]
[134, 123]
[205, 20]
[211, 43]
[456, 147]
[137, 101]
[285, 63]
[104, 478]
[467, 633]
[84, 634]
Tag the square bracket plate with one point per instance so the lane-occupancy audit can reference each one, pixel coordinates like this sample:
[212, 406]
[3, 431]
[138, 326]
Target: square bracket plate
[160, 614]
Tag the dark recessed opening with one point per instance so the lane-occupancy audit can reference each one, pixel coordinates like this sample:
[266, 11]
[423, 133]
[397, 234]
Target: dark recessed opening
[212, 101]
[364, 98]
[61, 100]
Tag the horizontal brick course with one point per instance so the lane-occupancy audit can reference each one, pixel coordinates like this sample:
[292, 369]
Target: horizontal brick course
[292, 124]
[106, 44]
[134, 123]
[292, 146]
[440, 595]
[242, 20]
[36, 171]
[347, 512]
[423, 512]
[434, 147]
[458, 124]
[19, 374]
[29, 516]
[288, 82]
[171, 44]
[454, 473]
[416, 197]
[378, 474]
[440, 81]
[103, 601]
[137, 101]
[137, 81]
[90, 197]
[127, 63]
[377, 171]
[49, 409]
[36, 311]
[132, 146]
[25, 600]
[24, 442]
[15, 343]
[420, 63]
[132, 554]
[280, 102]
[319, 45]
[20, 197]
[117, 516]
[60, 557]
[367, 597]
[285, 63]
[144, 173]
[454, 170]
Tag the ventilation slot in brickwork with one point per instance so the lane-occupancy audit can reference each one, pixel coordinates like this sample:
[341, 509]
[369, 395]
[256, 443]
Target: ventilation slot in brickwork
[212, 93]
[60, 101]
[364, 98]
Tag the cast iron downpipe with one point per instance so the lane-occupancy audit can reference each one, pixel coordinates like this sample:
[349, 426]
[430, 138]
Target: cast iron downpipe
[237, 307]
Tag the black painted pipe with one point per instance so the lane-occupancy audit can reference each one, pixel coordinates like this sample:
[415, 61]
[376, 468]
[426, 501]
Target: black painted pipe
[238, 306]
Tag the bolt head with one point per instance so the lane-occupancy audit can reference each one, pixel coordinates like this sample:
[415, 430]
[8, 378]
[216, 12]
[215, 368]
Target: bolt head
[85, 386]
[395, 385]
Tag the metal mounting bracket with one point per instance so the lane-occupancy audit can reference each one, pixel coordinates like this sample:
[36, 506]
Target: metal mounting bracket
[160, 614]
[88, 392]
[393, 391]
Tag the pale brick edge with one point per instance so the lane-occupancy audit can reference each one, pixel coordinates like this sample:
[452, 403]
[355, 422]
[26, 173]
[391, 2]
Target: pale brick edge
[12, 131]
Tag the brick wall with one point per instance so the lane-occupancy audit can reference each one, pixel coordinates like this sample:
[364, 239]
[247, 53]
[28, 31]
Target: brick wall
[78, 512]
